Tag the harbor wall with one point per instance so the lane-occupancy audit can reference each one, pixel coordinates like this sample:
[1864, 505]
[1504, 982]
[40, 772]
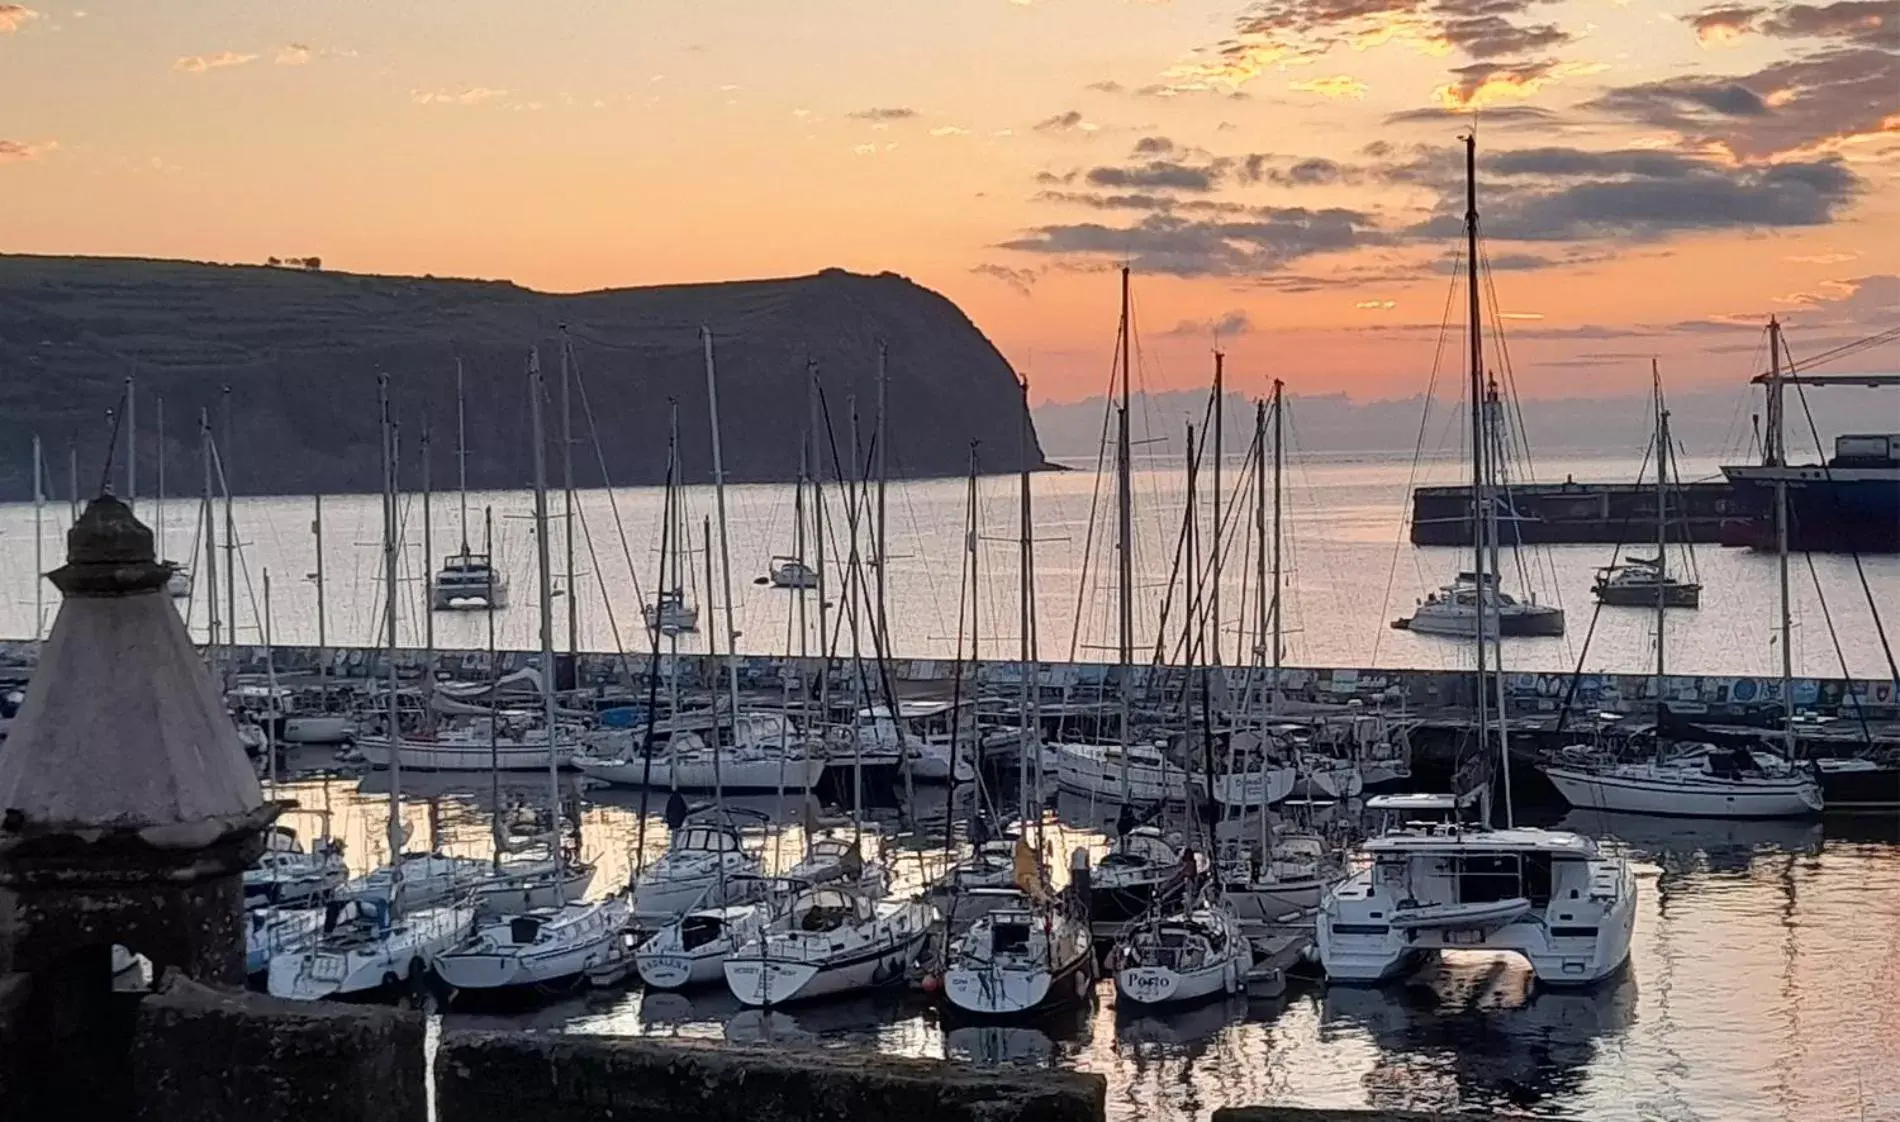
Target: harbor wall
[1427, 694]
[219, 1055]
[1572, 513]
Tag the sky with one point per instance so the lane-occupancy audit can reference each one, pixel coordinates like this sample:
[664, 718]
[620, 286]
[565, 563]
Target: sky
[1284, 177]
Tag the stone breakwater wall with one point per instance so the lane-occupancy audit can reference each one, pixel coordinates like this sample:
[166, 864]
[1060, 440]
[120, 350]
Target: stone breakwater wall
[1422, 692]
[218, 1055]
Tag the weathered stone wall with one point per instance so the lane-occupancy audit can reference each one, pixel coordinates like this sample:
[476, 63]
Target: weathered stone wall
[226, 1056]
[506, 1077]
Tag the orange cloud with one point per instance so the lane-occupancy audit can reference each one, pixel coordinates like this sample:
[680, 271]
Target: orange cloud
[1376, 305]
[1485, 83]
[1337, 86]
[294, 54]
[473, 96]
[13, 17]
[198, 64]
[16, 150]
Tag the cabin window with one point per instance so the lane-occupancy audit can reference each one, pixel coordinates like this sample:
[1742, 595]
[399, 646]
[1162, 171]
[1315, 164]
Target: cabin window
[697, 931]
[1485, 877]
[1009, 938]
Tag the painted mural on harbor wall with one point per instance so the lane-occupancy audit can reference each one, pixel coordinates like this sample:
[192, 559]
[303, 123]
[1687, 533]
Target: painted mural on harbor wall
[1422, 691]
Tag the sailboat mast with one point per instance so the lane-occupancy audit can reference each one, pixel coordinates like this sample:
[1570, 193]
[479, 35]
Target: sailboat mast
[712, 648]
[1279, 466]
[819, 435]
[1030, 728]
[1662, 527]
[428, 555]
[544, 575]
[725, 552]
[461, 454]
[391, 550]
[39, 542]
[798, 541]
[883, 380]
[316, 575]
[158, 515]
[1781, 537]
[1220, 394]
[1124, 539]
[211, 545]
[567, 491]
[230, 523]
[271, 711]
[132, 447]
[1480, 494]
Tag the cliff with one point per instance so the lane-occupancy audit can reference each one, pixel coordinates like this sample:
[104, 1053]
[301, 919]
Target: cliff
[300, 351]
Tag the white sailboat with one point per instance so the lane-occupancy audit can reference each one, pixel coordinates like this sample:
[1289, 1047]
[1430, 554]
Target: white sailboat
[829, 940]
[1690, 779]
[1029, 950]
[758, 751]
[520, 744]
[374, 940]
[692, 950]
[1177, 959]
[290, 877]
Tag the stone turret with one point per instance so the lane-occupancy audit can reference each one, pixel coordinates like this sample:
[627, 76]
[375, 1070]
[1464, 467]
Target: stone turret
[128, 813]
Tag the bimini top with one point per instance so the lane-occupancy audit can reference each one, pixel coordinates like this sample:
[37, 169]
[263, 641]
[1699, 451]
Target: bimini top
[1520, 840]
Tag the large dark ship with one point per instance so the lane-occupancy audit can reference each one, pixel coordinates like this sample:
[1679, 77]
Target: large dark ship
[1849, 503]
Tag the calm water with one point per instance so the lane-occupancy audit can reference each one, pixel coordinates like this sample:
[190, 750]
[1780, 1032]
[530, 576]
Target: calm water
[1764, 985]
[1348, 573]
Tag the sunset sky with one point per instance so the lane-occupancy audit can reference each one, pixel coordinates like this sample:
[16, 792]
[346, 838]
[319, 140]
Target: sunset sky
[1658, 176]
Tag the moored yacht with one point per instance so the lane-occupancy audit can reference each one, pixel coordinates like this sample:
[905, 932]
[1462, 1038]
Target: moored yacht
[1183, 956]
[829, 940]
[468, 582]
[537, 947]
[757, 752]
[699, 855]
[289, 876]
[1097, 770]
[692, 950]
[670, 614]
[1141, 869]
[791, 572]
[1027, 953]
[365, 948]
[1456, 608]
[1548, 896]
[515, 743]
[1688, 780]
[1640, 582]
[426, 878]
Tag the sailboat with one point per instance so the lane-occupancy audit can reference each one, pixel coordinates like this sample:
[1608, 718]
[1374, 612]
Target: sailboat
[1640, 582]
[178, 585]
[1476, 598]
[692, 950]
[546, 940]
[377, 940]
[467, 581]
[1687, 772]
[1548, 896]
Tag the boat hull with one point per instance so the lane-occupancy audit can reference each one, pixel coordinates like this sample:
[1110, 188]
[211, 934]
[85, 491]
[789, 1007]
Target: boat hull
[1792, 798]
[766, 981]
[318, 730]
[472, 971]
[995, 993]
[532, 891]
[735, 776]
[1161, 985]
[422, 756]
[1850, 784]
[1674, 596]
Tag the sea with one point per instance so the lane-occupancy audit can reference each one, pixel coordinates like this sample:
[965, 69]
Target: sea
[1347, 572]
[1763, 983]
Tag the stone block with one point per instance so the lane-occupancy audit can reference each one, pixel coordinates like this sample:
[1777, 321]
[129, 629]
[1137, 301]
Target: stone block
[506, 1077]
[217, 1055]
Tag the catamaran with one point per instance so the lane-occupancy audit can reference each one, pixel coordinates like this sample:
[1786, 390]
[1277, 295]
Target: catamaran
[467, 581]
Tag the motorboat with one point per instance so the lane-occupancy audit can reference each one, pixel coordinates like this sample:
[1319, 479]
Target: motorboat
[468, 582]
[1024, 955]
[692, 950]
[285, 877]
[1859, 782]
[427, 878]
[515, 743]
[366, 947]
[538, 947]
[791, 572]
[1641, 582]
[1455, 610]
[269, 932]
[698, 856]
[1688, 780]
[1097, 770]
[829, 940]
[670, 614]
[757, 752]
[1547, 895]
[1190, 956]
